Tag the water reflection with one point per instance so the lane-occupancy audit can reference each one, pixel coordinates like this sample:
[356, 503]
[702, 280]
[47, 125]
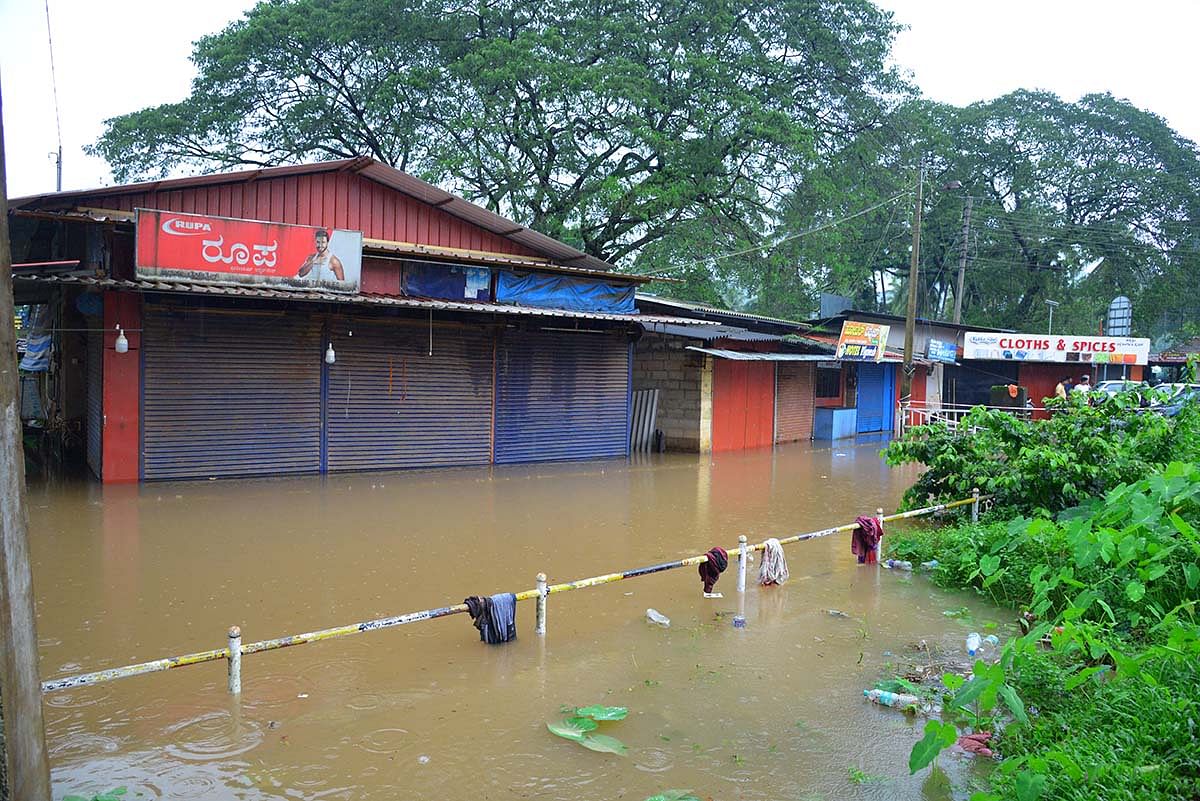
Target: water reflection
[772, 710]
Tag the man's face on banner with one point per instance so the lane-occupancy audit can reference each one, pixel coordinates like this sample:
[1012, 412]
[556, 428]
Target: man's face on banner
[322, 242]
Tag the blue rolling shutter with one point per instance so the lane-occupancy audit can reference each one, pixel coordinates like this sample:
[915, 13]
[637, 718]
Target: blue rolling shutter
[392, 405]
[95, 401]
[230, 395]
[876, 391]
[561, 396]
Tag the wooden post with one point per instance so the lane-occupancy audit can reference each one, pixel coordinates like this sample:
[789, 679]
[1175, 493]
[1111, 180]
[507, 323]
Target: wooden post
[20, 690]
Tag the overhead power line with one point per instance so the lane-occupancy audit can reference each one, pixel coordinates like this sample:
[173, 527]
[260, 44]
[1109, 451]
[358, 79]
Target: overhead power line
[54, 90]
[806, 232]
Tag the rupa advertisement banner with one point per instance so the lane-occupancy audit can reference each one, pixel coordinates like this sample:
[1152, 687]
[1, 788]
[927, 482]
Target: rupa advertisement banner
[1047, 348]
[862, 342]
[195, 247]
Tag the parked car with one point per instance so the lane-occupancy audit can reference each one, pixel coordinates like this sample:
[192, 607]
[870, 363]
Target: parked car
[1112, 387]
[1180, 395]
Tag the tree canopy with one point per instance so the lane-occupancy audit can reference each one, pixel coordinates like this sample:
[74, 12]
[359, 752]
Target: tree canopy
[762, 152]
[604, 123]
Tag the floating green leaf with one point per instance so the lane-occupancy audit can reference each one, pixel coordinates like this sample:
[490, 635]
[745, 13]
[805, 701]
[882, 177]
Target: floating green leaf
[572, 728]
[602, 712]
[674, 795]
[604, 744]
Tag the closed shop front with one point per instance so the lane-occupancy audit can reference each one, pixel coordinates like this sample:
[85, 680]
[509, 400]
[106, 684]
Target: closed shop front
[876, 397]
[391, 404]
[743, 404]
[561, 396]
[230, 394]
[794, 401]
[94, 424]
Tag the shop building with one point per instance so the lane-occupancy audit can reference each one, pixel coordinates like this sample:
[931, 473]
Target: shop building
[210, 333]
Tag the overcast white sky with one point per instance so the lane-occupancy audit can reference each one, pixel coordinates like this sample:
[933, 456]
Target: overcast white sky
[117, 57]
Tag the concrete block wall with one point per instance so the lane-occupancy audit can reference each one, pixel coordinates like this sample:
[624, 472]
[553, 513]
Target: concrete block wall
[684, 397]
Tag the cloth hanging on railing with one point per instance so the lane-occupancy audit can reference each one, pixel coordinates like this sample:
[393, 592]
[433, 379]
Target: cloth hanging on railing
[495, 616]
[865, 542]
[712, 567]
[773, 569]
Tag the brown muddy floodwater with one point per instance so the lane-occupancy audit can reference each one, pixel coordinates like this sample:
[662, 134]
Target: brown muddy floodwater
[426, 711]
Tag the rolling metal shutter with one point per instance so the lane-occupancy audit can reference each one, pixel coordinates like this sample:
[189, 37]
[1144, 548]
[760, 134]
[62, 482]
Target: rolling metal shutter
[230, 395]
[793, 401]
[392, 405]
[561, 396]
[876, 397]
[95, 401]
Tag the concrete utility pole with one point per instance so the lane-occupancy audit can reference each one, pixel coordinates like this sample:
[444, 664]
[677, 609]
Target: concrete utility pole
[913, 271]
[28, 771]
[962, 260]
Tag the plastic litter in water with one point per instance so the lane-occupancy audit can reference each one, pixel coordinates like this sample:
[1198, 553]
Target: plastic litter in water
[654, 616]
[974, 641]
[894, 700]
[930, 565]
[739, 622]
[836, 613]
[897, 564]
[424, 760]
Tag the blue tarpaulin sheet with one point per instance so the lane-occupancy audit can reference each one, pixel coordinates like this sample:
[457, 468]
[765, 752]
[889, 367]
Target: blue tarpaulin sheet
[446, 281]
[564, 292]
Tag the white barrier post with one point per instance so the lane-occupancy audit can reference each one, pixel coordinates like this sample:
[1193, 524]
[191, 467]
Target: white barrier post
[235, 660]
[742, 561]
[975, 505]
[540, 625]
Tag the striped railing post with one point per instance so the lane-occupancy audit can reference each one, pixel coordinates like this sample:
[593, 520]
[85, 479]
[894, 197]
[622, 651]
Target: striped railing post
[235, 660]
[540, 624]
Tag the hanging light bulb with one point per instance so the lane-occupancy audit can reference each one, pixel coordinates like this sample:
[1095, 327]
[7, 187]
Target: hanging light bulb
[330, 356]
[122, 344]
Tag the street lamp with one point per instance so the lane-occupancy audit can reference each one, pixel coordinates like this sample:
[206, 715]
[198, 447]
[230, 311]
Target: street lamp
[1050, 326]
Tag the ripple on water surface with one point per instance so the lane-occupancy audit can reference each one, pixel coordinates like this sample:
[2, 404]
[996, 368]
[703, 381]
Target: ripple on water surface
[212, 736]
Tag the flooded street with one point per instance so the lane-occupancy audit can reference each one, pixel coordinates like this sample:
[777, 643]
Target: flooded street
[426, 711]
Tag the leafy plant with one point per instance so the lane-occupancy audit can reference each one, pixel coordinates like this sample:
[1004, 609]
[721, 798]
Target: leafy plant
[674, 795]
[579, 728]
[859, 776]
[111, 795]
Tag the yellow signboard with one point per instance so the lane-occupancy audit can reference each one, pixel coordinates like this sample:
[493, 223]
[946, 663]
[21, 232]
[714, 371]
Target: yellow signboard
[862, 342]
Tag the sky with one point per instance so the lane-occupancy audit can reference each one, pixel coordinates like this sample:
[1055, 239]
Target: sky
[114, 58]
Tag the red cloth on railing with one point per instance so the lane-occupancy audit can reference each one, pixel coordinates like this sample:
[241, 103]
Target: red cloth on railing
[865, 540]
[711, 569]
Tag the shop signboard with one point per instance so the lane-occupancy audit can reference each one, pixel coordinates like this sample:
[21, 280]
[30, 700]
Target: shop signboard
[202, 248]
[939, 351]
[1047, 348]
[862, 342]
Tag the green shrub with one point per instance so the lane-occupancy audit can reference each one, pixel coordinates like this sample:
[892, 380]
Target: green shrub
[1081, 452]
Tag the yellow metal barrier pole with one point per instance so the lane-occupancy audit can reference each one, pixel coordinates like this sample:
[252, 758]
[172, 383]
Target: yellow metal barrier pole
[169, 663]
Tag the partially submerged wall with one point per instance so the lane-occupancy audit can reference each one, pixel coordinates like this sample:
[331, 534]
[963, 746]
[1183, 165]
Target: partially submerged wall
[683, 379]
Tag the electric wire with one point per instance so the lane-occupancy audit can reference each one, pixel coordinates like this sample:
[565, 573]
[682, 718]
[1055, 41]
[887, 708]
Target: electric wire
[54, 86]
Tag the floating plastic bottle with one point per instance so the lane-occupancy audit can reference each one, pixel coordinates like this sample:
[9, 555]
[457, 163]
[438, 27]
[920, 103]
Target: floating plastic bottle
[897, 564]
[654, 616]
[992, 641]
[739, 622]
[895, 700]
[930, 565]
[974, 641]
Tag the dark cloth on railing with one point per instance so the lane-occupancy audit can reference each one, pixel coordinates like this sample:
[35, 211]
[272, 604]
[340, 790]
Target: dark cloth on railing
[712, 567]
[866, 539]
[494, 616]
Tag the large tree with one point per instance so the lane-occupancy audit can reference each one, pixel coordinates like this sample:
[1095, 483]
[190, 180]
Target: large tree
[1072, 202]
[607, 123]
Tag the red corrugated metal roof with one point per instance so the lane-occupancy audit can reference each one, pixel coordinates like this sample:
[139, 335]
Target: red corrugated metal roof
[369, 168]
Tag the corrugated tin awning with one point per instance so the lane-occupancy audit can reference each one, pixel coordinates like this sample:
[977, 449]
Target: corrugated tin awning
[233, 291]
[713, 331]
[752, 356]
